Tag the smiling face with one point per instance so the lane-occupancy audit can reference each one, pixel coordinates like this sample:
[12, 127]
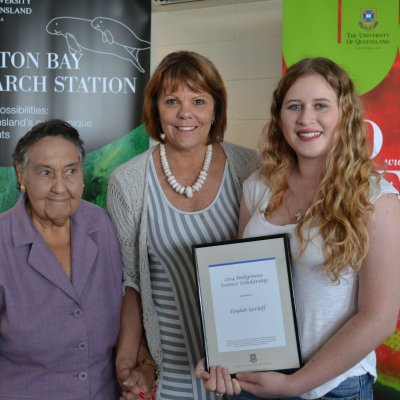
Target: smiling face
[53, 179]
[186, 117]
[309, 117]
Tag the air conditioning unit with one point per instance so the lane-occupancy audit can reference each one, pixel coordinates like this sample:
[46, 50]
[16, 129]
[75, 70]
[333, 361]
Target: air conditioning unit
[166, 2]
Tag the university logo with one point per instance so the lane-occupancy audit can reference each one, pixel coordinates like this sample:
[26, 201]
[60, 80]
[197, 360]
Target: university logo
[253, 358]
[368, 19]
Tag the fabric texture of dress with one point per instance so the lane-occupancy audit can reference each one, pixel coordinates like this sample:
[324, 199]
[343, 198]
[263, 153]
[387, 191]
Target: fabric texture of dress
[57, 335]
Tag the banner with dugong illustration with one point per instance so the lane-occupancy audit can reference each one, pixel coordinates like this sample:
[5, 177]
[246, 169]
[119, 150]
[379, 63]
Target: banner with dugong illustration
[86, 62]
[362, 36]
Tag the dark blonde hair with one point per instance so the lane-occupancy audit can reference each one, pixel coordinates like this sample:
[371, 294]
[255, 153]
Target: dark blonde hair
[196, 72]
[341, 206]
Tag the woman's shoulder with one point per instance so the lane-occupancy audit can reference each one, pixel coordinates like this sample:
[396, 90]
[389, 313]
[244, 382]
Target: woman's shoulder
[18, 211]
[236, 150]
[242, 160]
[379, 186]
[256, 191]
[256, 180]
[133, 167]
[90, 218]
[128, 179]
[92, 212]
[127, 185]
[6, 214]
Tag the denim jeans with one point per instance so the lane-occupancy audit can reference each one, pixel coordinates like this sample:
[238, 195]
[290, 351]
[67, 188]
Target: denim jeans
[355, 388]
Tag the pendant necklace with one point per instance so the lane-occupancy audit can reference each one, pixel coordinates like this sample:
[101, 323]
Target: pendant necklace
[298, 215]
[188, 191]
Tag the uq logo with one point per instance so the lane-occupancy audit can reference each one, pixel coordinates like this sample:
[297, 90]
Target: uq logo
[368, 19]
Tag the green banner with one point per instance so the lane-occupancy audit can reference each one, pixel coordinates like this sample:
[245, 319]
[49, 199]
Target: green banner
[344, 32]
[363, 37]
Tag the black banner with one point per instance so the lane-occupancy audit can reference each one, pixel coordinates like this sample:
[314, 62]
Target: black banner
[86, 62]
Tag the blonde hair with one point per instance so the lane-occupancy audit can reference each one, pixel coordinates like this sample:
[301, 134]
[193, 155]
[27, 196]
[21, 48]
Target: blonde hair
[341, 206]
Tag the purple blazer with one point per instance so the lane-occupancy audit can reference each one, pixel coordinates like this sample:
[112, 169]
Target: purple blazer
[57, 335]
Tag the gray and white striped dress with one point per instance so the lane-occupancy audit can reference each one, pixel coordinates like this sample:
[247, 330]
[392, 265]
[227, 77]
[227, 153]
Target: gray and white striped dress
[171, 233]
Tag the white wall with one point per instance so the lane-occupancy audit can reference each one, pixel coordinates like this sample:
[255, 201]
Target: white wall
[242, 38]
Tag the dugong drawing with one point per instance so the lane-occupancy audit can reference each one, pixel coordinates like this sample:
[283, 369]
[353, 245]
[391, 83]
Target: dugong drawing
[100, 35]
[115, 33]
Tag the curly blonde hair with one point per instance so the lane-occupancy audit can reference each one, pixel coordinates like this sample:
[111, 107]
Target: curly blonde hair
[341, 205]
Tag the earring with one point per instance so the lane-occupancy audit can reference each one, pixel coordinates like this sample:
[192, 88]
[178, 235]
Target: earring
[162, 136]
[22, 188]
[213, 122]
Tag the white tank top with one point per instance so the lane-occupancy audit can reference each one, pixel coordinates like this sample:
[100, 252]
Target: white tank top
[322, 306]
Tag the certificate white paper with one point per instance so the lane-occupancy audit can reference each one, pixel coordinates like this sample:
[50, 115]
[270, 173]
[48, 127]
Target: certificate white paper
[247, 305]
[241, 292]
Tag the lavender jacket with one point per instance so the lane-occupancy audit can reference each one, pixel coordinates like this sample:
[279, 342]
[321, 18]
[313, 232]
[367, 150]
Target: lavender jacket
[57, 335]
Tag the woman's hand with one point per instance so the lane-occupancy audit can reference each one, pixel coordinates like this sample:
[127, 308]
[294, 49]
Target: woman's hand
[263, 384]
[136, 382]
[218, 380]
[266, 384]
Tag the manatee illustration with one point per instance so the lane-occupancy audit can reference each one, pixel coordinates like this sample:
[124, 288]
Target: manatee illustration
[68, 28]
[115, 33]
[100, 35]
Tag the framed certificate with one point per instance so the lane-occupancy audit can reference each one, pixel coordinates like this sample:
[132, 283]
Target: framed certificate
[247, 306]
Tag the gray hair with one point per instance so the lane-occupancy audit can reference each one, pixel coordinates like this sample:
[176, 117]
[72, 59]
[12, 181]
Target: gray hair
[52, 127]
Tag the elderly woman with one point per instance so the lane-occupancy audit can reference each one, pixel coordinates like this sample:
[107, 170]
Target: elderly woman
[183, 191]
[60, 277]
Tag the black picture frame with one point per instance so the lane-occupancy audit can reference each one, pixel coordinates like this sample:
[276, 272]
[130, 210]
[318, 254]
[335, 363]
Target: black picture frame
[247, 304]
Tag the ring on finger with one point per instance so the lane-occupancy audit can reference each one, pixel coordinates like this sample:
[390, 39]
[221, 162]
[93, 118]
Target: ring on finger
[220, 396]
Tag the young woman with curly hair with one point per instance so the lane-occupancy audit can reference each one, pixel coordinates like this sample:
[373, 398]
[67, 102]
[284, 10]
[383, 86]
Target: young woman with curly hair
[318, 183]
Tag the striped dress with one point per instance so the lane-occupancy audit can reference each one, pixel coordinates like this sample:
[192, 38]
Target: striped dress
[171, 234]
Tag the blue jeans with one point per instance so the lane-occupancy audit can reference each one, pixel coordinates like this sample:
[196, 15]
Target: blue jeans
[355, 388]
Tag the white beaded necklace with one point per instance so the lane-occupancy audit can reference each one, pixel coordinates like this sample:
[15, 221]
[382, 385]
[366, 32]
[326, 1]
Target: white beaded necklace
[186, 190]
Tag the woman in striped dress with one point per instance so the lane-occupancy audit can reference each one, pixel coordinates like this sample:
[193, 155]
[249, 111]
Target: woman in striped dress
[185, 190]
